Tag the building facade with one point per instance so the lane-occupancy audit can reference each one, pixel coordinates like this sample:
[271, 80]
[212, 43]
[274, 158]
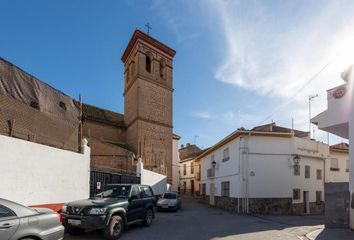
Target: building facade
[338, 119]
[175, 163]
[189, 169]
[337, 164]
[268, 169]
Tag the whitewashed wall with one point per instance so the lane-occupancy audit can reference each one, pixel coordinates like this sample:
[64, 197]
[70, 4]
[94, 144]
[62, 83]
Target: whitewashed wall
[34, 174]
[175, 168]
[225, 171]
[337, 176]
[267, 166]
[158, 182]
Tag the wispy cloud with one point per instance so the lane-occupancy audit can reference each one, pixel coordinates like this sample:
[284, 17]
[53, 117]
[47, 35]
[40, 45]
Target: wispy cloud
[275, 50]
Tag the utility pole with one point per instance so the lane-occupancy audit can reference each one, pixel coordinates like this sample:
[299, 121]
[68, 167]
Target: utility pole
[311, 97]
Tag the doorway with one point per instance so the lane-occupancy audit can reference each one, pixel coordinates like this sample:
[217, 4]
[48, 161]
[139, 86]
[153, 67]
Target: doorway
[306, 202]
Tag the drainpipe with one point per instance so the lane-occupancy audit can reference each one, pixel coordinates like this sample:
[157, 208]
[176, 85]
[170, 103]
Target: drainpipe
[247, 173]
[240, 175]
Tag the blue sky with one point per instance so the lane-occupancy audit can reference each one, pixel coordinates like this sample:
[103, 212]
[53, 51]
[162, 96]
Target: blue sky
[238, 63]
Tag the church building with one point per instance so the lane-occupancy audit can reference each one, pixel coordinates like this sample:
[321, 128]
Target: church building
[145, 129]
[34, 111]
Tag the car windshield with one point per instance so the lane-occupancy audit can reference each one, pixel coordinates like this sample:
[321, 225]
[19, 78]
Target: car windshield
[169, 196]
[115, 191]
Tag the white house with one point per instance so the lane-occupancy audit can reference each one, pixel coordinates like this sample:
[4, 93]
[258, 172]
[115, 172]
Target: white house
[175, 162]
[269, 169]
[339, 120]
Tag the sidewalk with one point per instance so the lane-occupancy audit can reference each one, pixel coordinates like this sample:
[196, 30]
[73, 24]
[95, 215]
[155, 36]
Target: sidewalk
[331, 234]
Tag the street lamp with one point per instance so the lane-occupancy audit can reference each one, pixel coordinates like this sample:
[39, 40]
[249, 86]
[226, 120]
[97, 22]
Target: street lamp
[213, 164]
[311, 97]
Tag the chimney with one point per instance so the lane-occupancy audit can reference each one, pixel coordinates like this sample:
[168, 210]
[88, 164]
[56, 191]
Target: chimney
[188, 144]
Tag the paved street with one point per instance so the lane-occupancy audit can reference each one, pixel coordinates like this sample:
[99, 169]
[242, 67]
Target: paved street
[200, 222]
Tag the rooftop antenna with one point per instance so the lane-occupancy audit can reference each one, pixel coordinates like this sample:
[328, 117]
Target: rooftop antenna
[311, 98]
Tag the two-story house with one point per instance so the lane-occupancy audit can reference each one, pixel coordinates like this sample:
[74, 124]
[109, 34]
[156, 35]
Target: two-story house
[268, 169]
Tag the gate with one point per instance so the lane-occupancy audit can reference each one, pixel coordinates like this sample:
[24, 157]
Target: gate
[98, 180]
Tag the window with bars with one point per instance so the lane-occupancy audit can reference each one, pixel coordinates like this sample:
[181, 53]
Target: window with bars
[210, 173]
[347, 165]
[307, 171]
[184, 169]
[192, 168]
[334, 164]
[225, 155]
[296, 194]
[319, 174]
[225, 189]
[318, 197]
[203, 189]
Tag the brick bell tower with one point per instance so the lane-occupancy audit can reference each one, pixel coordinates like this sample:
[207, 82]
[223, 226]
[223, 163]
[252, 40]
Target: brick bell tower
[148, 101]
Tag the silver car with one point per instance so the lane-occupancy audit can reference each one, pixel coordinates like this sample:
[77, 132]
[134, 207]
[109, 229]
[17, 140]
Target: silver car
[169, 201]
[20, 222]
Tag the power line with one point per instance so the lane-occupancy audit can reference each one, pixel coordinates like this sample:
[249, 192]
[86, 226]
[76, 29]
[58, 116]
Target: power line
[300, 89]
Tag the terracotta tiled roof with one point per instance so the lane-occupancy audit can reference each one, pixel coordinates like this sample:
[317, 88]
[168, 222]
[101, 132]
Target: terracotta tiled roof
[150, 40]
[272, 127]
[101, 115]
[340, 147]
[189, 151]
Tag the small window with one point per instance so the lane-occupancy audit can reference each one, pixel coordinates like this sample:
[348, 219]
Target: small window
[192, 168]
[296, 194]
[184, 169]
[5, 212]
[319, 174]
[334, 165]
[225, 189]
[148, 64]
[297, 170]
[203, 189]
[225, 155]
[307, 171]
[318, 197]
[62, 105]
[347, 166]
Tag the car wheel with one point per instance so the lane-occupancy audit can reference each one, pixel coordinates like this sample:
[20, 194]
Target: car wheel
[74, 231]
[149, 216]
[115, 228]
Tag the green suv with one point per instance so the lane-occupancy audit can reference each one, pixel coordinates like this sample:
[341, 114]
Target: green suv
[112, 210]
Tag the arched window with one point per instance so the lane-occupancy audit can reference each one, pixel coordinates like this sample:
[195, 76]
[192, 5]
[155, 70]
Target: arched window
[148, 64]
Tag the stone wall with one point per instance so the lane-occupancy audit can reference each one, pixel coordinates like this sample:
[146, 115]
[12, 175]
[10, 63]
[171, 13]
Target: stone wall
[337, 199]
[315, 209]
[270, 206]
[278, 206]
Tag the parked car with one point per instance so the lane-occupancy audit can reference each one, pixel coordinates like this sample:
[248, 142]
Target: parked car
[20, 222]
[112, 210]
[169, 201]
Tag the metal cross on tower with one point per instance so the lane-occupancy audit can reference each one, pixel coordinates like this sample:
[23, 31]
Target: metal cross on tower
[148, 28]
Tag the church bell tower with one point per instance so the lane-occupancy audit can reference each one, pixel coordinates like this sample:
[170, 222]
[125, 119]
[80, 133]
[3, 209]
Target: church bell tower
[148, 101]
